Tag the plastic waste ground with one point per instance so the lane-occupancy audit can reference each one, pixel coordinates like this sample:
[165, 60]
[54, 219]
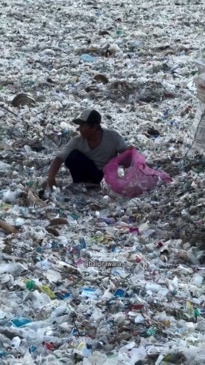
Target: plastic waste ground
[88, 277]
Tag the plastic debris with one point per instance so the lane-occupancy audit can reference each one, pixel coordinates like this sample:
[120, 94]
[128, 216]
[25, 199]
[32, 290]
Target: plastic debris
[87, 276]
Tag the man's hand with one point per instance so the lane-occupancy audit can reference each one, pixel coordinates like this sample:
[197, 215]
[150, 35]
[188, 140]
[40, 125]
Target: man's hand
[48, 182]
[55, 166]
[51, 182]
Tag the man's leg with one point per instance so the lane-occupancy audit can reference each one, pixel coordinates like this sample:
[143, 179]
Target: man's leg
[82, 168]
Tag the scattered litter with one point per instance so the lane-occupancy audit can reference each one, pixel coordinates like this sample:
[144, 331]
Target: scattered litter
[88, 276]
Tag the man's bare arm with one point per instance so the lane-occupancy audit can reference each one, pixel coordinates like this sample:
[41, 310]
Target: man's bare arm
[53, 170]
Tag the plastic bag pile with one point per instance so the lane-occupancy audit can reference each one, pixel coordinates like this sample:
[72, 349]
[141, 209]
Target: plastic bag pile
[91, 277]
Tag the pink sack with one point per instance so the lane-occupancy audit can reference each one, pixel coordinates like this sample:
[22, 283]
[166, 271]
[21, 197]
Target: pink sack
[137, 177]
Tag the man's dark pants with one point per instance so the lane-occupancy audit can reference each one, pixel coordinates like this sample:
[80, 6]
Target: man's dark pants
[82, 168]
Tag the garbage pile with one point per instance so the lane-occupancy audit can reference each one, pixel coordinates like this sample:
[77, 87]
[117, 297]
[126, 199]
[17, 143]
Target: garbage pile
[90, 277]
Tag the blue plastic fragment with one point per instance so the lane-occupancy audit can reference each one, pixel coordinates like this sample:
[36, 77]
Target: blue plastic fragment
[3, 354]
[32, 349]
[21, 321]
[120, 293]
[87, 58]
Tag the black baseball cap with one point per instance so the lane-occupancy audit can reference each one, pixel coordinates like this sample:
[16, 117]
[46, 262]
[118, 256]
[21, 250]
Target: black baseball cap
[89, 116]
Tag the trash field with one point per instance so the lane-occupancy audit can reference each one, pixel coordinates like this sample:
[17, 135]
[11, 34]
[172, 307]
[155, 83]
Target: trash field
[91, 277]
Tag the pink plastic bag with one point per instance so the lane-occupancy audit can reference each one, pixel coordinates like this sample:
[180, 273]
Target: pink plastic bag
[138, 177]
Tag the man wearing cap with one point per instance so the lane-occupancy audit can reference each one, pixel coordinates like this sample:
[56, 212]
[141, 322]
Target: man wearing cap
[87, 154]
